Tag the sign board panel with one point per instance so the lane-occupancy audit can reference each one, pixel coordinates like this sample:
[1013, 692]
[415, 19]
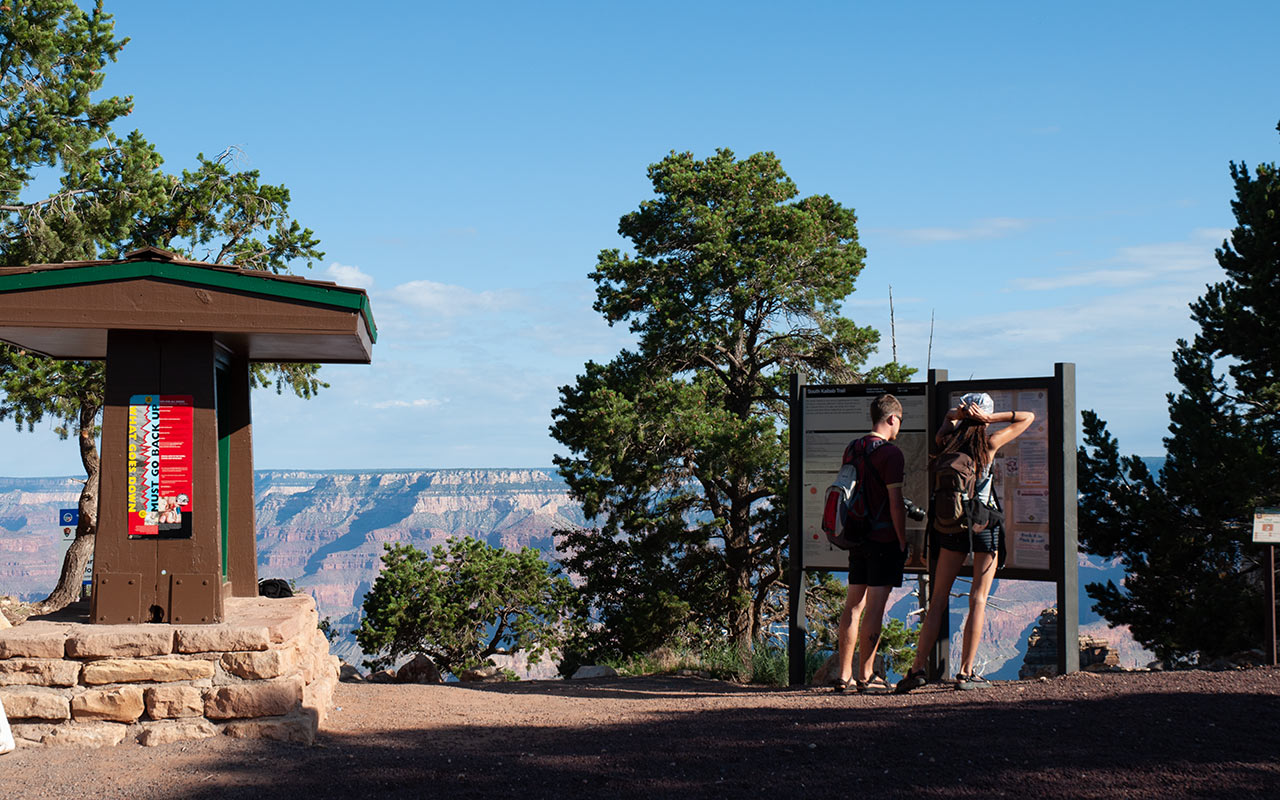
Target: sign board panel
[1266, 525]
[66, 536]
[69, 517]
[159, 469]
[832, 417]
[1021, 472]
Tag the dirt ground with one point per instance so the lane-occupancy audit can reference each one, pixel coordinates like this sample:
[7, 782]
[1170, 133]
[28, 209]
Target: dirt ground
[1128, 735]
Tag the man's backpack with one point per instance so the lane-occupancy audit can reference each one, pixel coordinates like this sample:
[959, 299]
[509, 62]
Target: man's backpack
[956, 507]
[847, 519]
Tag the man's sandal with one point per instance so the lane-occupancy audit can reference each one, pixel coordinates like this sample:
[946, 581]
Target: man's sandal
[839, 684]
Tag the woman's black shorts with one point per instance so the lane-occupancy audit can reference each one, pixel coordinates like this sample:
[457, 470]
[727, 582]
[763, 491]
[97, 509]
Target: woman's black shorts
[877, 564]
[987, 541]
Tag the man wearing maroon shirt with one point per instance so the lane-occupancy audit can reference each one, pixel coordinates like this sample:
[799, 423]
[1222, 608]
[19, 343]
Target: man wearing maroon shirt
[875, 568]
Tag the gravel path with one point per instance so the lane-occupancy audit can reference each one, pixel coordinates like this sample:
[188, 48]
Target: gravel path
[1130, 735]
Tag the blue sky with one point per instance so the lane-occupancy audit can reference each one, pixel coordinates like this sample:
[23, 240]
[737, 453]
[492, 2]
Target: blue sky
[1049, 182]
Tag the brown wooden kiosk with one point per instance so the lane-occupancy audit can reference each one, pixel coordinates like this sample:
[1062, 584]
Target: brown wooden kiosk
[176, 532]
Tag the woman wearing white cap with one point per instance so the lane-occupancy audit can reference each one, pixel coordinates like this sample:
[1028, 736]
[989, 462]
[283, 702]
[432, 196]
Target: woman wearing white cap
[965, 430]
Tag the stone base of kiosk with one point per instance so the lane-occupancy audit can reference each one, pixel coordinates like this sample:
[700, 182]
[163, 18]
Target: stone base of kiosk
[264, 673]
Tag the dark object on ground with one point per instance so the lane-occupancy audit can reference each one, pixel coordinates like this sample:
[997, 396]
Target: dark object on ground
[419, 669]
[274, 587]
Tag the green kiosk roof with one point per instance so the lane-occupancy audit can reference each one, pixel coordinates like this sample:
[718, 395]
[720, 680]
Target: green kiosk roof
[65, 310]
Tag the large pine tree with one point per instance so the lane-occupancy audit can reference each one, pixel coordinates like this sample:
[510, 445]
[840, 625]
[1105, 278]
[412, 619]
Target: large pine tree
[678, 448]
[1194, 585]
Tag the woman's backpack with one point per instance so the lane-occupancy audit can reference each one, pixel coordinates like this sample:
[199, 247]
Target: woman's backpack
[956, 507]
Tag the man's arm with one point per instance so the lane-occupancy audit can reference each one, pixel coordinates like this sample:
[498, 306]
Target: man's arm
[898, 513]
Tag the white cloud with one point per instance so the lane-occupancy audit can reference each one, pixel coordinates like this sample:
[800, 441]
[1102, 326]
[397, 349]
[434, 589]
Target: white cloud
[421, 402]
[447, 300]
[992, 228]
[1160, 262]
[1097, 277]
[345, 275]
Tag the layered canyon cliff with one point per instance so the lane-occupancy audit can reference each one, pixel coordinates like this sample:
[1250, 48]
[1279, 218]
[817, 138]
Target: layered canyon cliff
[325, 531]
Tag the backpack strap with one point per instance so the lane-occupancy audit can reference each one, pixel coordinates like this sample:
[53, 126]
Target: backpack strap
[866, 452]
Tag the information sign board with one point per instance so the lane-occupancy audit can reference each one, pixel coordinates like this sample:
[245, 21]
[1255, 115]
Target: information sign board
[1021, 475]
[159, 473]
[1266, 525]
[832, 417]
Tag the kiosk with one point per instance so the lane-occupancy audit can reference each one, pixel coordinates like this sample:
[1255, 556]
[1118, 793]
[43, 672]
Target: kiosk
[176, 532]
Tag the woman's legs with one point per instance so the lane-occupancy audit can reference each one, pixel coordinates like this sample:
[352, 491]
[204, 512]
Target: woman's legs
[984, 571]
[949, 563]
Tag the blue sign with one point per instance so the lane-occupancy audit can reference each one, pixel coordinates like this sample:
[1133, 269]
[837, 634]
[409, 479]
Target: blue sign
[69, 516]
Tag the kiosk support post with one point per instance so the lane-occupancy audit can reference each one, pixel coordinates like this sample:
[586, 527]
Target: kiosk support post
[798, 627]
[1271, 604]
[1067, 566]
[941, 654]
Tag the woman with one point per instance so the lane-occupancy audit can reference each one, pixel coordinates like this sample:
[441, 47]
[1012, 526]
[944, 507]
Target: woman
[965, 430]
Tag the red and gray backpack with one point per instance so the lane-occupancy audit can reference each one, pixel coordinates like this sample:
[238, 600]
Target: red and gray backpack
[847, 518]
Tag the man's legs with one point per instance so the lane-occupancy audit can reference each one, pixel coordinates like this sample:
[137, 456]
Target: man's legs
[869, 630]
[846, 633]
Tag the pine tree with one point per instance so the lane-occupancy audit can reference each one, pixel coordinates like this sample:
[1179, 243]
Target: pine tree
[679, 447]
[1194, 585]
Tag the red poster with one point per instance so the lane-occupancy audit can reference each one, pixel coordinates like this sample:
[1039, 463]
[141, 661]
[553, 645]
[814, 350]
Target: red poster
[160, 434]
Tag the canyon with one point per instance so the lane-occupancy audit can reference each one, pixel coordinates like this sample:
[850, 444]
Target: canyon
[324, 532]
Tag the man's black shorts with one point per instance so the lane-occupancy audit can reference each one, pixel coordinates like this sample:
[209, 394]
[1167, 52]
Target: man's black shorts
[877, 564]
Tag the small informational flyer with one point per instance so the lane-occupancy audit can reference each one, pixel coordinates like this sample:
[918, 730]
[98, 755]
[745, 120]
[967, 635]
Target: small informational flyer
[1030, 548]
[1031, 506]
[160, 465]
[1033, 460]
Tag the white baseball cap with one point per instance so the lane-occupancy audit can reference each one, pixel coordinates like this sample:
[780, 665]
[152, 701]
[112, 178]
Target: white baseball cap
[980, 399]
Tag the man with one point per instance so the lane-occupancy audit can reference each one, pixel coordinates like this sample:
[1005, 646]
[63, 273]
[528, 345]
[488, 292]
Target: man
[875, 569]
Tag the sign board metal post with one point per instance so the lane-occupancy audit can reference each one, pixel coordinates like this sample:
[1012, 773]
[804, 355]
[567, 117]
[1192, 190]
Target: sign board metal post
[1062, 519]
[798, 625]
[940, 658]
[1266, 530]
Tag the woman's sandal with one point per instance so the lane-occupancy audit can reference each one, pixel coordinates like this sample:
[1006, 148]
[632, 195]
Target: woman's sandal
[914, 679]
[839, 684]
[968, 683]
[876, 685]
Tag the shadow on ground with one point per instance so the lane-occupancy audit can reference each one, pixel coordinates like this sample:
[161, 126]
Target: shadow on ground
[1148, 745]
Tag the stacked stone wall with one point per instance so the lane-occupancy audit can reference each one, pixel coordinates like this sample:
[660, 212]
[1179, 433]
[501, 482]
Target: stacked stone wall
[1041, 660]
[264, 673]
